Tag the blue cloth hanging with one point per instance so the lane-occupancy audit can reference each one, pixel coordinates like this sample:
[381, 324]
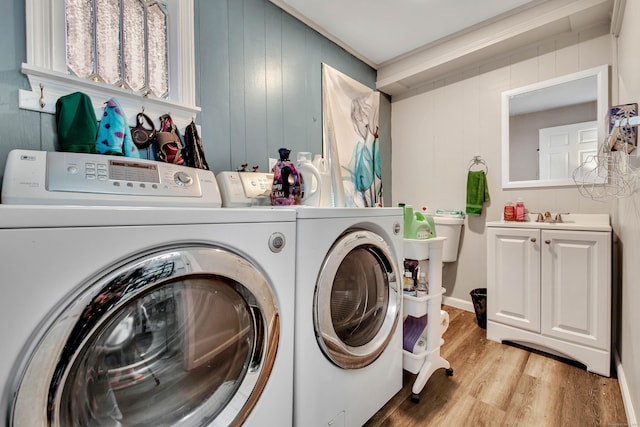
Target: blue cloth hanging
[114, 135]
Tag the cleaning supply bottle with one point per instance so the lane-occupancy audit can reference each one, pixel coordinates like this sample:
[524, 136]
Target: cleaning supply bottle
[285, 190]
[520, 212]
[309, 179]
[325, 180]
[422, 283]
[414, 228]
[408, 285]
[431, 225]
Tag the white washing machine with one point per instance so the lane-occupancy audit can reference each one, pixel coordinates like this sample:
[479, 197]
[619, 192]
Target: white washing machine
[348, 329]
[156, 316]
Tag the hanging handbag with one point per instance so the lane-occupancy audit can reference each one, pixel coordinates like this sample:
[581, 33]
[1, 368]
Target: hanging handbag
[168, 142]
[194, 152]
[143, 137]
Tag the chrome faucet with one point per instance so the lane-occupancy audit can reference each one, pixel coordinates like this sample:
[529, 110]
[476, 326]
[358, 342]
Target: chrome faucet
[547, 217]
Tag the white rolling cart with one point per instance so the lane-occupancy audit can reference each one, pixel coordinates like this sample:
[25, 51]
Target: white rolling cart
[426, 362]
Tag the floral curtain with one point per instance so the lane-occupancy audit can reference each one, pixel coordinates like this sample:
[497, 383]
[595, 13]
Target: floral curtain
[350, 139]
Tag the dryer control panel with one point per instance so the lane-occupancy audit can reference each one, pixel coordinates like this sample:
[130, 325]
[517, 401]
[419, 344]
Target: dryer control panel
[50, 178]
[242, 189]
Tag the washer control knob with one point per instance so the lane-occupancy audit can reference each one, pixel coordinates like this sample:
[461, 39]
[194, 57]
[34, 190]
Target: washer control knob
[277, 241]
[182, 178]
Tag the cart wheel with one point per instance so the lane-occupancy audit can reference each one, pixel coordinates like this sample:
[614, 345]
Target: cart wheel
[449, 372]
[415, 398]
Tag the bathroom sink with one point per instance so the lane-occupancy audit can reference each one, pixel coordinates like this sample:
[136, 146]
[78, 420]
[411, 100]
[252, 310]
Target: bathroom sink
[570, 221]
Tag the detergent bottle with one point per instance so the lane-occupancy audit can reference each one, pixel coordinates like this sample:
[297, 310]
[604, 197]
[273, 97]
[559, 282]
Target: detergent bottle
[325, 180]
[431, 225]
[310, 179]
[414, 227]
[285, 189]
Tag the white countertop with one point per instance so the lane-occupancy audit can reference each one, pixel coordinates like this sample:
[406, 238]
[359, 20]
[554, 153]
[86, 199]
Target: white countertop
[584, 222]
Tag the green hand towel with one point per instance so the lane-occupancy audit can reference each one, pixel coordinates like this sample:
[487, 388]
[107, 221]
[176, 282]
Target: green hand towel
[477, 192]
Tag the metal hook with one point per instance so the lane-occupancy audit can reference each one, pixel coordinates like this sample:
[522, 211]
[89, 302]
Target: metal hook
[42, 101]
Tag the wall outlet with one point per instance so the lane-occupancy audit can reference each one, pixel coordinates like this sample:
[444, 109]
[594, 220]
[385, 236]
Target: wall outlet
[272, 163]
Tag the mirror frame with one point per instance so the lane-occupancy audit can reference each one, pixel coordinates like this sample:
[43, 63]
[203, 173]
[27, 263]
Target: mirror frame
[602, 76]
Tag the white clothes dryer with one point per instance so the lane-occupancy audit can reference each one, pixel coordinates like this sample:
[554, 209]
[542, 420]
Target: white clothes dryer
[348, 329]
[163, 316]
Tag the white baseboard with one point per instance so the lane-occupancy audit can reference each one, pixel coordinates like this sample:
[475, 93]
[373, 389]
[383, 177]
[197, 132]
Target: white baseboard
[458, 303]
[624, 390]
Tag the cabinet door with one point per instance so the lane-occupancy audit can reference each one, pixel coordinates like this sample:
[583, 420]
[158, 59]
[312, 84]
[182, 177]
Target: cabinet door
[513, 277]
[576, 286]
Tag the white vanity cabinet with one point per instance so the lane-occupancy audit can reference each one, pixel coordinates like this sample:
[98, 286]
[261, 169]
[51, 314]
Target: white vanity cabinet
[549, 287]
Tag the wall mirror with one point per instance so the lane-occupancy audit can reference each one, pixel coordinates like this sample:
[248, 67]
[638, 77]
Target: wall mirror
[551, 128]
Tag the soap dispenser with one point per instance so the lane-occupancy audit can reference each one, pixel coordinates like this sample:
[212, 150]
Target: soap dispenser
[520, 211]
[509, 212]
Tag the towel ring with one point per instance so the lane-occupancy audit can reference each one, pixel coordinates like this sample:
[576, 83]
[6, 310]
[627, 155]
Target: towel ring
[478, 161]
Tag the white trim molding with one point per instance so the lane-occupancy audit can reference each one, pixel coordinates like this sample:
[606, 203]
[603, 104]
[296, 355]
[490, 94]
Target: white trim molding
[632, 420]
[617, 16]
[49, 79]
[458, 303]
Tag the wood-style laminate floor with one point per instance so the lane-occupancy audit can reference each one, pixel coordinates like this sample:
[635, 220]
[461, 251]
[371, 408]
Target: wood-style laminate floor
[503, 385]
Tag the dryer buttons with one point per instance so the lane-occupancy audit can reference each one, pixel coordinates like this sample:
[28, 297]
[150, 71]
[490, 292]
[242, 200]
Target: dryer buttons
[276, 242]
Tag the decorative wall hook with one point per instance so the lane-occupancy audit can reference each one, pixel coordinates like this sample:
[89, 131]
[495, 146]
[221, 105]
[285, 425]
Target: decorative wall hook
[42, 101]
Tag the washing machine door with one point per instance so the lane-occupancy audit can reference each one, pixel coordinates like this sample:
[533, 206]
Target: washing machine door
[184, 336]
[357, 301]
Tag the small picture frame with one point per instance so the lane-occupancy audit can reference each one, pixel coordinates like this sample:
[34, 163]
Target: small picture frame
[627, 136]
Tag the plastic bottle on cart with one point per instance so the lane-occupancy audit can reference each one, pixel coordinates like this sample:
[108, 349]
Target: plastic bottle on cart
[520, 215]
[422, 287]
[408, 286]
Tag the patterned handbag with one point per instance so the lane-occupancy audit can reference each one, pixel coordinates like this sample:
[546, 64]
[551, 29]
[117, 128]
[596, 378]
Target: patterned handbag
[194, 152]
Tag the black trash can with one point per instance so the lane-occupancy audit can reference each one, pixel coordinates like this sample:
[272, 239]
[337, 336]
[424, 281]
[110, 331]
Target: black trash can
[479, 298]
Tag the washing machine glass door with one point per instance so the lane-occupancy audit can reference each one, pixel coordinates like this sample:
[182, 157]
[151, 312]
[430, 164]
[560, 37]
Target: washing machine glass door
[357, 300]
[185, 336]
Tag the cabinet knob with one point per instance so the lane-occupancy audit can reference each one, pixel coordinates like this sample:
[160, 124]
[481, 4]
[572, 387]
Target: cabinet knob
[533, 239]
[548, 242]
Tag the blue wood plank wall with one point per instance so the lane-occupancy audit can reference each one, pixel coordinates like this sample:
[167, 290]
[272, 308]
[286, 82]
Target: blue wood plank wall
[258, 80]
